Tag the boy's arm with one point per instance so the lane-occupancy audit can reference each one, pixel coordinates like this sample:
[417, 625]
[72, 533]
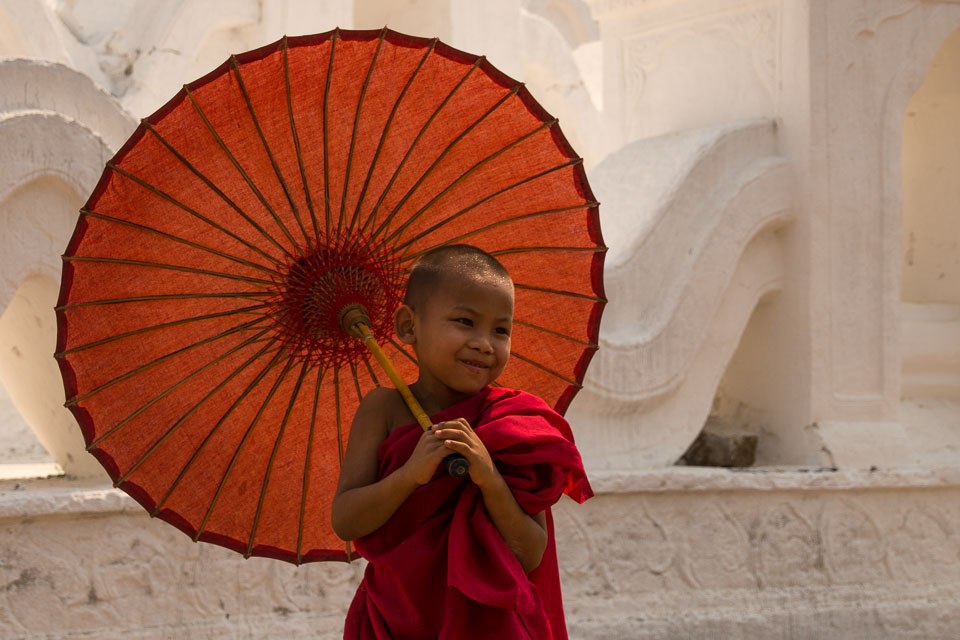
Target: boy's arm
[362, 504]
[525, 535]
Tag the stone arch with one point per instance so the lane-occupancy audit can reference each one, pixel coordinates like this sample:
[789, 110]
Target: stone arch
[930, 269]
[56, 133]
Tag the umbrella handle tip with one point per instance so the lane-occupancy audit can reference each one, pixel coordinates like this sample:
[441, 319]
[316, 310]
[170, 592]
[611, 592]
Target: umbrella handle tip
[352, 315]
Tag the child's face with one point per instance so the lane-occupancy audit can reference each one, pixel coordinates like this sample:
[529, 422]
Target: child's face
[461, 335]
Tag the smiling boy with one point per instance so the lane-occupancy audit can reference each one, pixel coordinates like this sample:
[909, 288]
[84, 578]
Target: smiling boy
[450, 556]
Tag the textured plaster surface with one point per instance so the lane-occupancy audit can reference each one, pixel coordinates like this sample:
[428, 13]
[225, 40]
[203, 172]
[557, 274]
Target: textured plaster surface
[755, 269]
[662, 554]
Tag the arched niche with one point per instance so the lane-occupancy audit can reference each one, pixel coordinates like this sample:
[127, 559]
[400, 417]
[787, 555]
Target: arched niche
[38, 216]
[930, 164]
[930, 287]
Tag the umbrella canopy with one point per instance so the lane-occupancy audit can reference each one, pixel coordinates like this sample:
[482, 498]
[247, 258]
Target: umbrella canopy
[198, 332]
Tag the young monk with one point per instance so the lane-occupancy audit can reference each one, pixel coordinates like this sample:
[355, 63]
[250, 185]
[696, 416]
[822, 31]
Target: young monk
[469, 557]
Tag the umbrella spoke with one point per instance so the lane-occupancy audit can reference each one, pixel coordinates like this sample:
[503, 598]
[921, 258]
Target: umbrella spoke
[250, 387]
[169, 296]
[223, 196]
[403, 351]
[555, 333]
[276, 168]
[423, 129]
[463, 176]
[373, 375]
[386, 129]
[162, 325]
[170, 236]
[336, 399]
[386, 223]
[243, 173]
[246, 436]
[558, 292]
[356, 380]
[456, 215]
[176, 386]
[503, 252]
[170, 267]
[273, 453]
[296, 139]
[182, 419]
[353, 136]
[326, 135]
[545, 368]
[147, 365]
[306, 465]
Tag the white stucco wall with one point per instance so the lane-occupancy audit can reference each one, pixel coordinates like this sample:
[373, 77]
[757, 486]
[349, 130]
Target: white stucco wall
[776, 195]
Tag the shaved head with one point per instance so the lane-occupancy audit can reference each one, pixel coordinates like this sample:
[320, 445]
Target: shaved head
[448, 264]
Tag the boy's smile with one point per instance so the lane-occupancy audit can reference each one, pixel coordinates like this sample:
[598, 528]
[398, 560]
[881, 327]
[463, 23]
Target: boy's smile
[461, 335]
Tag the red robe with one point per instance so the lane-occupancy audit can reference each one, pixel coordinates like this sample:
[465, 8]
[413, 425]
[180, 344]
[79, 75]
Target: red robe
[439, 568]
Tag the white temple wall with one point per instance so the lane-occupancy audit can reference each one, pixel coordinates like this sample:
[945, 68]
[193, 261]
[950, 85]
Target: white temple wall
[931, 162]
[806, 315]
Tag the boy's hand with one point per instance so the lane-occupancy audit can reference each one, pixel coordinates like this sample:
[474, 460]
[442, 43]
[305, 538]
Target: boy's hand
[458, 436]
[422, 464]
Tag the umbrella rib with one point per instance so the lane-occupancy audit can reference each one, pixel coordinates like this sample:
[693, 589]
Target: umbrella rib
[306, 463]
[176, 425]
[223, 334]
[537, 327]
[243, 174]
[547, 369]
[569, 294]
[386, 222]
[465, 210]
[169, 236]
[296, 139]
[171, 389]
[326, 150]
[401, 350]
[276, 168]
[162, 325]
[168, 296]
[273, 454]
[223, 196]
[353, 136]
[423, 129]
[386, 129]
[503, 252]
[463, 176]
[336, 396]
[223, 418]
[291, 360]
[373, 375]
[336, 401]
[356, 381]
[169, 267]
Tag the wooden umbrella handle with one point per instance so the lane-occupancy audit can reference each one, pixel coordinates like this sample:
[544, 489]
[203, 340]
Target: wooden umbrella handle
[355, 321]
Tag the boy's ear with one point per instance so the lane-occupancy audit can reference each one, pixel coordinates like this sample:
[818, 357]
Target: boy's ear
[403, 321]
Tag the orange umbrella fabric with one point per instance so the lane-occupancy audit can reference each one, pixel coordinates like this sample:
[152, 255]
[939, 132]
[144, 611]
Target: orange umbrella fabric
[198, 337]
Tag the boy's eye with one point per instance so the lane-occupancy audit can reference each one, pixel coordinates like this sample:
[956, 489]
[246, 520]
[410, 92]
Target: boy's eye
[464, 321]
[502, 331]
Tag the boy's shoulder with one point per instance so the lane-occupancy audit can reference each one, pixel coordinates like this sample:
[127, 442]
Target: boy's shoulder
[501, 400]
[388, 404]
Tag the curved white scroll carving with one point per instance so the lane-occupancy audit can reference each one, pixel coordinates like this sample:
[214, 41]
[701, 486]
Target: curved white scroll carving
[57, 129]
[694, 247]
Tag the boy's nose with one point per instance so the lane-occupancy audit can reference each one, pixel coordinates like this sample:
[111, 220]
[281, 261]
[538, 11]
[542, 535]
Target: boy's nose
[481, 344]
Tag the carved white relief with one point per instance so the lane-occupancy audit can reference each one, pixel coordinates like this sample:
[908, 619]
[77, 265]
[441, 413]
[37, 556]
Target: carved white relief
[682, 59]
[692, 222]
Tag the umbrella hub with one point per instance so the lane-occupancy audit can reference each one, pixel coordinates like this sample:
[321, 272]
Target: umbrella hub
[315, 288]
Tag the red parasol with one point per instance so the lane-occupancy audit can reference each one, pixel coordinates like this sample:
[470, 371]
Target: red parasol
[198, 314]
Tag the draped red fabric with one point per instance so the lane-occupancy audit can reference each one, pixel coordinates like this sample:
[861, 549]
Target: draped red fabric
[439, 568]
[197, 320]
